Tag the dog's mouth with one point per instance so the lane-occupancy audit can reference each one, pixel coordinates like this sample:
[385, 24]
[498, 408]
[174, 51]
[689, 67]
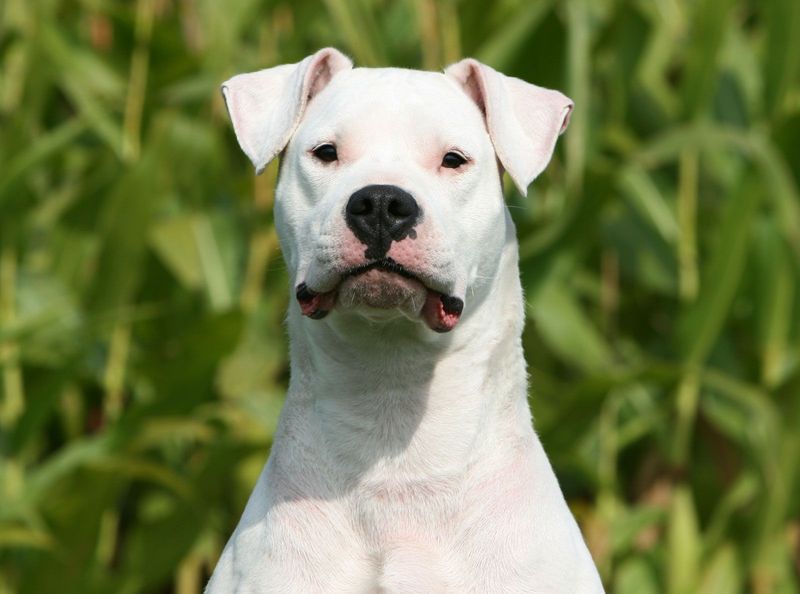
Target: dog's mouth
[384, 285]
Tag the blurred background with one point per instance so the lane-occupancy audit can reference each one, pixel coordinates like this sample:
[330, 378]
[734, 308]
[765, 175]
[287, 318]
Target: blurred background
[142, 291]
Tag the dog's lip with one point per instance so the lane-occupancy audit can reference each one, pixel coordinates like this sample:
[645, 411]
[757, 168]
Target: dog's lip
[385, 264]
[441, 311]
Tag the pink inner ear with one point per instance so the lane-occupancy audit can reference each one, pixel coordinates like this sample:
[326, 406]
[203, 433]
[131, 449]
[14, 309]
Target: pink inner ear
[321, 75]
[565, 121]
[319, 80]
[474, 88]
[327, 63]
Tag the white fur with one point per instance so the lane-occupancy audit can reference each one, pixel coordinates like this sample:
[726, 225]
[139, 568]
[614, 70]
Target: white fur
[405, 460]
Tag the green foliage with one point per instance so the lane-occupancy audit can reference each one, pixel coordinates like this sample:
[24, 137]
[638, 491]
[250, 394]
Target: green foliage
[142, 293]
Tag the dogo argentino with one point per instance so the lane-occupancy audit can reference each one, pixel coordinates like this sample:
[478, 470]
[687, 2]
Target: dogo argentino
[405, 460]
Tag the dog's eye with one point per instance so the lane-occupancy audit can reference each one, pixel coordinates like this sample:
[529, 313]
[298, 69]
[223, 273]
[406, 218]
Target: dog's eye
[326, 152]
[453, 160]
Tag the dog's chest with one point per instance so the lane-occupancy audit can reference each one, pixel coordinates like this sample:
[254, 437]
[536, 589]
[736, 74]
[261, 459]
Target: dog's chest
[409, 529]
[389, 511]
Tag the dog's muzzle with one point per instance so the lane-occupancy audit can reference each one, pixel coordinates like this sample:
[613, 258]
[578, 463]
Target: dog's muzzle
[440, 312]
[379, 215]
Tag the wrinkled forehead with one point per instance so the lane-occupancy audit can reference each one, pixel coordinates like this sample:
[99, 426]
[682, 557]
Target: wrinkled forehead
[366, 103]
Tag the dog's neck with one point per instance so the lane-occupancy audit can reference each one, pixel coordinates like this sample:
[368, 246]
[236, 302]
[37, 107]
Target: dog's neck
[395, 399]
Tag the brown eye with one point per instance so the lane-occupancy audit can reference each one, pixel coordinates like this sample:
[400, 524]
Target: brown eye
[453, 160]
[326, 152]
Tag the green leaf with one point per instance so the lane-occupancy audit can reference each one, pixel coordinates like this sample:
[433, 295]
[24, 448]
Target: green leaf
[701, 324]
[174, 242]
[775, 285]
[684, 544]
[503, 46]
[646, 198]
[723, 574]
[566, 328]
[636, 576]
[782, 58]
[709, 23]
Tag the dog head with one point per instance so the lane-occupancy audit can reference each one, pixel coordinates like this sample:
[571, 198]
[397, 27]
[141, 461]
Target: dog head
[389, 199]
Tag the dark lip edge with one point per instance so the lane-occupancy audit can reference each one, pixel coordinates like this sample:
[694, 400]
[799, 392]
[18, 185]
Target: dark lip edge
[304, 293]
[451, 303]
[385, 264]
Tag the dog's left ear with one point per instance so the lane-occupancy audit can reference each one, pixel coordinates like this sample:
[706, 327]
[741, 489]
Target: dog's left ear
[266, 106]
[523, 120]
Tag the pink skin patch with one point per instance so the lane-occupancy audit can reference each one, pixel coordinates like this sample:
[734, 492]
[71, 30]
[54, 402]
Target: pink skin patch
[314, 305]
[310, 306]
[405, 252]
[414, 252]
[351, 250]
[442, 312]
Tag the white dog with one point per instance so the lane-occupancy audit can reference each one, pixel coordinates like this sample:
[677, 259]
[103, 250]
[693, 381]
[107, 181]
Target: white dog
[405, 460]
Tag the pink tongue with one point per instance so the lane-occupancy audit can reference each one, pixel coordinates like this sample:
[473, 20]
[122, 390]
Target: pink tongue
[441, 312]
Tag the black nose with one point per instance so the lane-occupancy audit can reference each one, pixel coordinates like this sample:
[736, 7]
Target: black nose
[379, 215]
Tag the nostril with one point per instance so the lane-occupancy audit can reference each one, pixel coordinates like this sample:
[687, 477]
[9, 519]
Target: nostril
[360, 207]
[401, 208]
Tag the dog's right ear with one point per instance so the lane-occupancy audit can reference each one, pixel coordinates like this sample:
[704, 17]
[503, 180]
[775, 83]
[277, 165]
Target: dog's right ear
[265, 107]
